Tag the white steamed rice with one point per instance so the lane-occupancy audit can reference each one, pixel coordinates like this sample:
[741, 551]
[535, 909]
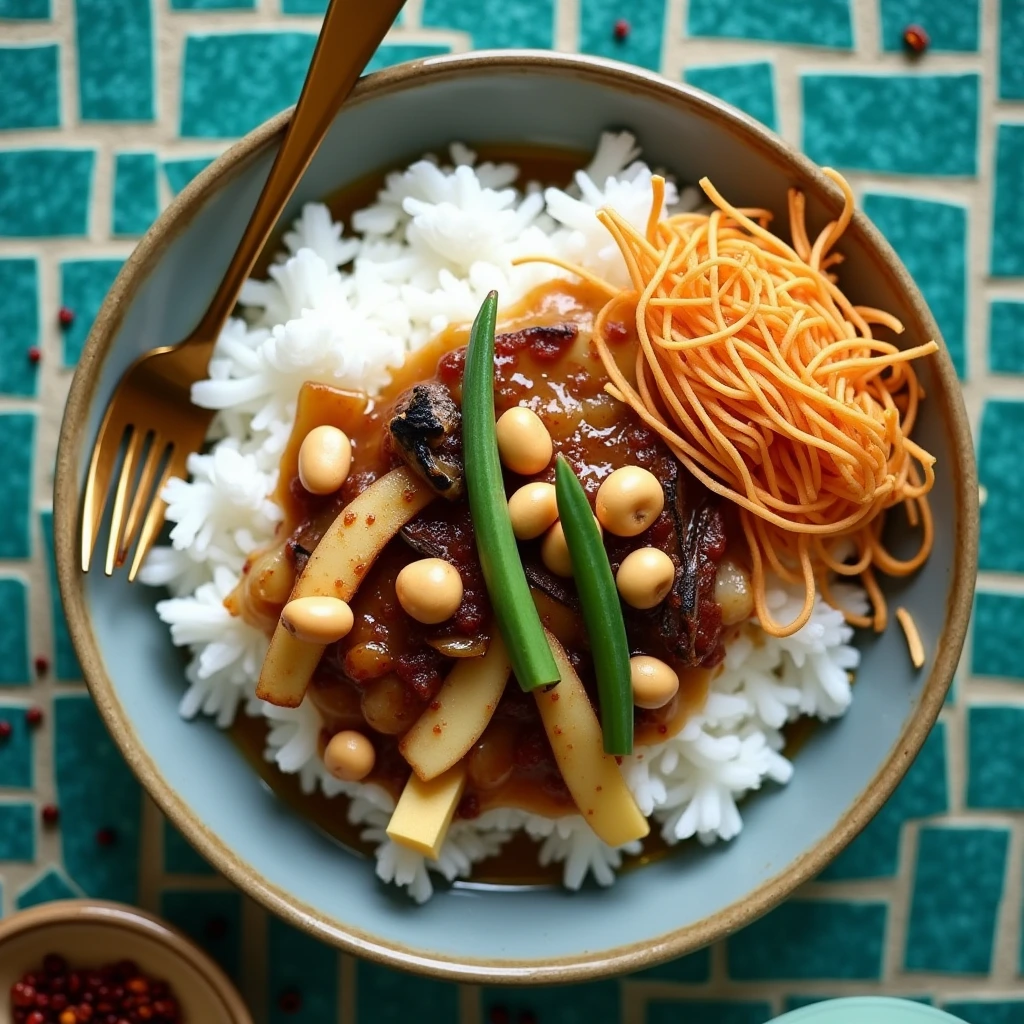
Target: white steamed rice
[345, 311]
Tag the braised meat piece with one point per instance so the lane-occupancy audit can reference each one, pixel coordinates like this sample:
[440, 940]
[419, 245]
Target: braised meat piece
[425, 431]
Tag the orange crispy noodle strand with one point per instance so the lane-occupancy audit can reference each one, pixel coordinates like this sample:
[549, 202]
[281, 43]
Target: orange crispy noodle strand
[766, 382]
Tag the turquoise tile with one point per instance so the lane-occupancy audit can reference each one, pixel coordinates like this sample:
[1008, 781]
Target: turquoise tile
[14, 653]
[213, 5]
[1011, 49]
[83, 287]
[902, 124]
[389, 54]
[811, 939]
[272, 63]
[641, 46]
[31, 83]
[1001, 472]
[950, 26]
[495, 24]
[1006, 336]
[995, 757]
[65, 667]
[19, 325]
[931, 239]
[18, 832]
[984, 1012]
[211, 919]
[97, 791]
[180, 172]
[995, 650]
[779, 21]
[16, 765]
[180, 858]
[694, 968]
[49, 886]
[136, 204]
[29, 10]
[922, 793]
[17, 441]
[297, 962]
[596, 1002]
[115, 60]
[1008, 207]
[45, 192]
[958, 882]
[686, 1011]
[751, 87]
[303, 6]
[424, 1000]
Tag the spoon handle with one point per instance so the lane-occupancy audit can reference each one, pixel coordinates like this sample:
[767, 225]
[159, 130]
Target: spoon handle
[351, 32]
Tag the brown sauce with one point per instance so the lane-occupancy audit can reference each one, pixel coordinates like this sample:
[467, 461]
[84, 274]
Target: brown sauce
[581, 418]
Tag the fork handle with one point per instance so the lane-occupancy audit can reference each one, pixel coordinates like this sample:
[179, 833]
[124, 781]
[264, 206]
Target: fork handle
[351, 32]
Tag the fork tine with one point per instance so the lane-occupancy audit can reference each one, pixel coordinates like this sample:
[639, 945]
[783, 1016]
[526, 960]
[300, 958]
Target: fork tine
[97, 484]
[140, 502]
[125, 480]
[155, 517]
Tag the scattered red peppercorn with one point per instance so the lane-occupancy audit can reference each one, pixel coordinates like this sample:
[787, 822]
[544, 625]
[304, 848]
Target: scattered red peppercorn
[34, 716]
[106, 836]
[916, 39]
[42, 665]
[290, 1001]
[50, 814]
[65, 316]
[621, 29]
[34, 355]
[5, 729]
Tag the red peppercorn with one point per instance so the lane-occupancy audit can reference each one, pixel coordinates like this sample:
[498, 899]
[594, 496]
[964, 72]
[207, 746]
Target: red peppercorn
[5, 729]
[290, 1001]
[106, 836]
[34, 355]
[621, 29]
[36, 1017]
[65, 316]
[42, 664]
[51, 815]
[22, 994]
[34, 716]
[916, 39]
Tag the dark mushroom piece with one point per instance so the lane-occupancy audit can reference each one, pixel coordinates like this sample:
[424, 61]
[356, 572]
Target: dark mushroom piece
[425, 431]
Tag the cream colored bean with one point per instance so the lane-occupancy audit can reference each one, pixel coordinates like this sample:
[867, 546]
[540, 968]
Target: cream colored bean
[325, 457]
[733, 592]
[645, 577]
[349, 756]
[629, 500]
[654, 683]
[317, 620]
[429, 590]
[554, 551]
[532, 509]
[523, 441]
[388, 706]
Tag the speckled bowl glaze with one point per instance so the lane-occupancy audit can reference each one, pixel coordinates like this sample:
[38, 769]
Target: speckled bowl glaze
[844, 772]
[93, 933]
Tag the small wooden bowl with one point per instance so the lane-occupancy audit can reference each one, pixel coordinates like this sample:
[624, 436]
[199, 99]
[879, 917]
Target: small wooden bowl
[92, 933]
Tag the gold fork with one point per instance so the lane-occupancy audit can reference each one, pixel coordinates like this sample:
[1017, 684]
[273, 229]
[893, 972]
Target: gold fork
[151, 417]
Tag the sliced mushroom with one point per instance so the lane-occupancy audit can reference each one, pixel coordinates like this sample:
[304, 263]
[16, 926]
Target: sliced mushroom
[425, 431]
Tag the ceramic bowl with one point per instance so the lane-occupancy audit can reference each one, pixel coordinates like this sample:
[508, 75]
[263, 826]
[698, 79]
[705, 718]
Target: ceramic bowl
[92, 933]
[682, 902]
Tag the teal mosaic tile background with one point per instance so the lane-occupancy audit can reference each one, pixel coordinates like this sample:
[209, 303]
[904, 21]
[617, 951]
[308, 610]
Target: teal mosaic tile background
[110, 107]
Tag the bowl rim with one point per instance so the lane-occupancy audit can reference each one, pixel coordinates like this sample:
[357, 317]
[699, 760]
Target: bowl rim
[131, 921]
[587, 965]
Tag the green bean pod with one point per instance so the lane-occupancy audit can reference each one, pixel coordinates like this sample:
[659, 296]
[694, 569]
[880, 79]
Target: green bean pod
[602, 613]
[520, 625]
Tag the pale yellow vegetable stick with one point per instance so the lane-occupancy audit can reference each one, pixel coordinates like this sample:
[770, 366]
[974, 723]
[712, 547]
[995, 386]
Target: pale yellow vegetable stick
[335, 569]
[459, 713]
[592, 776]
[425, 809]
